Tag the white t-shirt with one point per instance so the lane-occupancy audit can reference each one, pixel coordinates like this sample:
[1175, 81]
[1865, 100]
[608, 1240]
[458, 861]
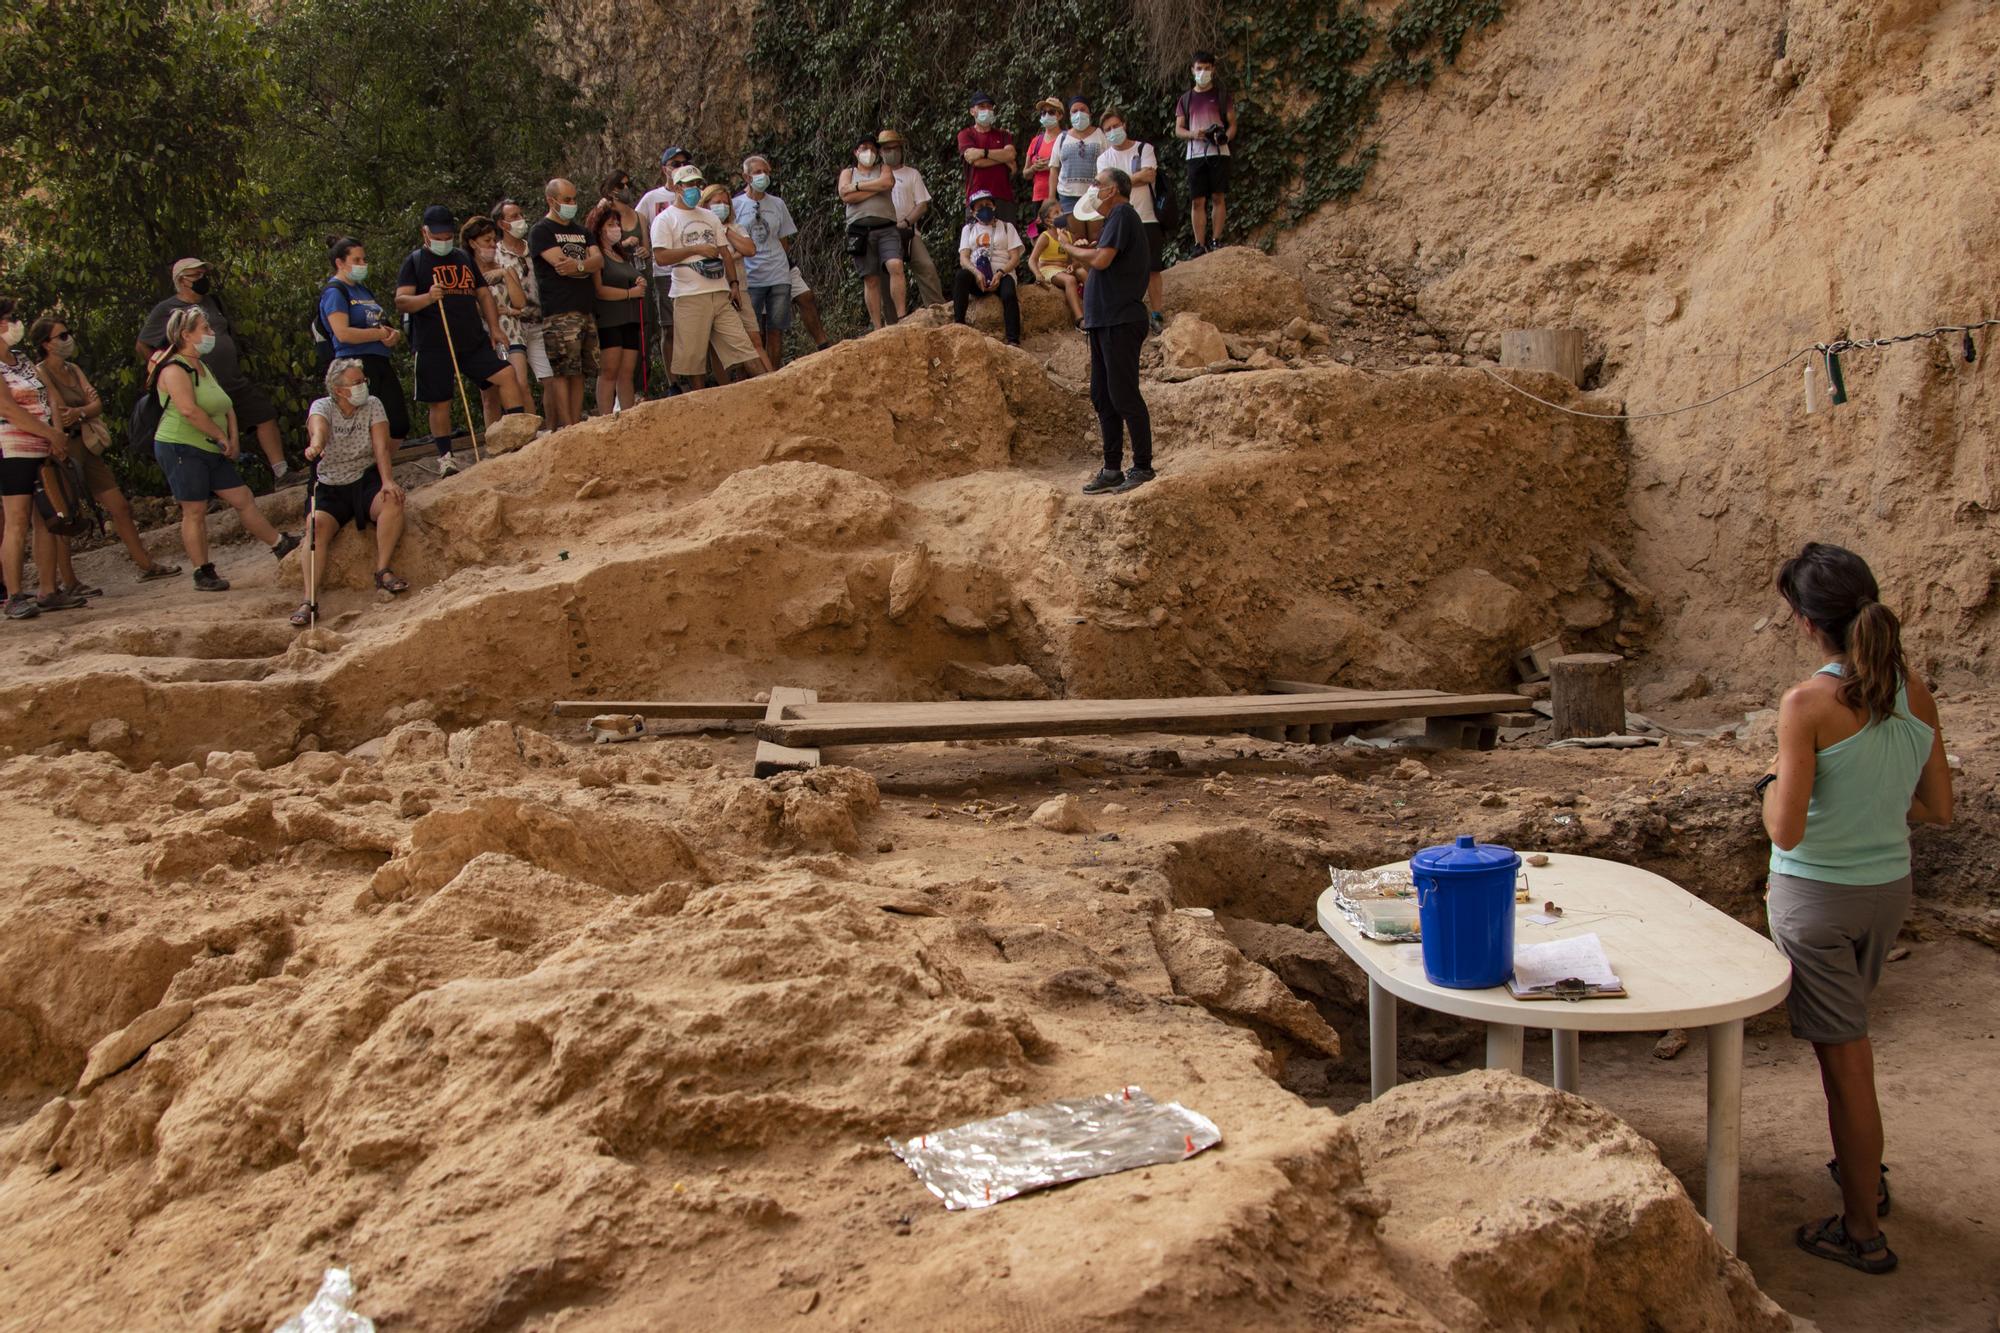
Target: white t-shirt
[678, 227]
[651, 202]
[995, 240]
[909, 194]
[1132, 158]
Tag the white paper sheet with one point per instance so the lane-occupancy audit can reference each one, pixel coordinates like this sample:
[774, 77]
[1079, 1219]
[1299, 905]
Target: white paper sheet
[1580, 956]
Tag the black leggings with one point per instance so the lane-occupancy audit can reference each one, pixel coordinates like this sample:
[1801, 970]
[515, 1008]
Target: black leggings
[1114, 392]
[964, 287]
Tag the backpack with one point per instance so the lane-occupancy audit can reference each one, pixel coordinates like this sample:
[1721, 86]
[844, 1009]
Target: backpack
[59, 497]
[148, 411]
[322, 332]
[1166, 208]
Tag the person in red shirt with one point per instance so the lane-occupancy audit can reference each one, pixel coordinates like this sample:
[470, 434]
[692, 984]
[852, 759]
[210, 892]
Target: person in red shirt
[989, 157]
[1042, 150]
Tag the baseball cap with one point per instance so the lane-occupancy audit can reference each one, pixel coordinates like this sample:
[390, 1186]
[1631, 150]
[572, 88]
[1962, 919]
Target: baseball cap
[183, 265]
[672, 153]
[689, 175]
[437, 215]
[977, 195]
[977, 98]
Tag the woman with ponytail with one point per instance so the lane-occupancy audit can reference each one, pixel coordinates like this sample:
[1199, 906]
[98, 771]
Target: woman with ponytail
[1860, 758]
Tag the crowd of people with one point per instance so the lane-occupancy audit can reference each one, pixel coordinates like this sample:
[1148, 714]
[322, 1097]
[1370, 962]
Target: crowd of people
[508, 303]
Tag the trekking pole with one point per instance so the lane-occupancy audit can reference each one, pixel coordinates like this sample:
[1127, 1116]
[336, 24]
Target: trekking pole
[312, 546]
[459, 380]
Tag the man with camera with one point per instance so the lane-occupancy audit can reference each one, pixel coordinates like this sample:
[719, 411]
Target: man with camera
[1205, 119]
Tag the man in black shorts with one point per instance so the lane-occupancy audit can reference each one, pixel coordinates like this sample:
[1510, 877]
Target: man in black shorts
[1205, 120]
[439, 281]
[194, 284]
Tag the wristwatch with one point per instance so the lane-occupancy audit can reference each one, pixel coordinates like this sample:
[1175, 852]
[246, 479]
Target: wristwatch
[1763, 782]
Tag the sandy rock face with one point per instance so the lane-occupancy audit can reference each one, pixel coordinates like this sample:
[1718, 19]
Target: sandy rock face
[1237, 289]
[1517, 1206]
[1191, 341]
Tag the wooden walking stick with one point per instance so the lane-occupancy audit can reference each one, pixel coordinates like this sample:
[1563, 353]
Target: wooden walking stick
[459, 380]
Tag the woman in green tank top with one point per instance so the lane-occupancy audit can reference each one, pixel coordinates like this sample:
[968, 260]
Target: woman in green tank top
[1860, 758]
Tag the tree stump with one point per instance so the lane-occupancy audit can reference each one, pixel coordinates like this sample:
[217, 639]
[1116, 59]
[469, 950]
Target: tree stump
[1559, 350]
[1587, 691]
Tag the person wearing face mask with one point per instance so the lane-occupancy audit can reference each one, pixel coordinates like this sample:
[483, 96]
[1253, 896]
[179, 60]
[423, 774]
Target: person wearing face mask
[1139, 161]
[1042, 151]
[913, 204]
[1076, 152]
[989, 154]
[439, 282]
[737, 251]
[1114, 320]
[197, 445]
[348, 438]
[526, 349]
[692, 243]
[661, 316]
[565, 264]
[1205, 119]
[480, 238]
[79, 412]
[620, 289]
[619, 192]
[29, 437]
[767, 273]
[354, 327]
[194, 285]
[868, 190]
[988, 250]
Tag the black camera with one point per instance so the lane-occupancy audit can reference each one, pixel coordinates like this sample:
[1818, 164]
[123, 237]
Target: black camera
[1216, 135]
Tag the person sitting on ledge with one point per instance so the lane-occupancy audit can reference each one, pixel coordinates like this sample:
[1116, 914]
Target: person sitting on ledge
[355, 479]
[988, 250]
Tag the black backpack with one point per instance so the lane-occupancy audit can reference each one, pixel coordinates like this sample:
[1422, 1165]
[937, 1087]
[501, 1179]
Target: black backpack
[148, 411]
[322, 332]
[59, 497]
[1166, 208]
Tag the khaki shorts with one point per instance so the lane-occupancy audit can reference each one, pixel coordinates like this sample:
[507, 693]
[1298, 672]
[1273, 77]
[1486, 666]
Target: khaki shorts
[704, 321]
[569, 342]
[97, 475]
[1837, 937]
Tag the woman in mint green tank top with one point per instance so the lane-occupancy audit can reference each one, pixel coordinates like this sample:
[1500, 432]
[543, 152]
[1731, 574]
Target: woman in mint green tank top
[1860, 759]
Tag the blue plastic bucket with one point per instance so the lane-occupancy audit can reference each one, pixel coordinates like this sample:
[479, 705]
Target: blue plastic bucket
[1465, 909]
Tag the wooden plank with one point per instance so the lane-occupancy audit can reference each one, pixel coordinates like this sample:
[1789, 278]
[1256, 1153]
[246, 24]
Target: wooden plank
[1307, 687]
[746, 710]
[772, 757]
[841, 724]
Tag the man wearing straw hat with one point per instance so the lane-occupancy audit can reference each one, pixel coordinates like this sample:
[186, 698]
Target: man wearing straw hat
[454, 327]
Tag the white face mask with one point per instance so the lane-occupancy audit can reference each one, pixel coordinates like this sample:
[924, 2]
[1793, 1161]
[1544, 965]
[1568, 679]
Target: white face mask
[206, 345]
[12, 335]
[518, 228]
[1203, 77]
[866, 157]
[1114, 137]
[357, 394]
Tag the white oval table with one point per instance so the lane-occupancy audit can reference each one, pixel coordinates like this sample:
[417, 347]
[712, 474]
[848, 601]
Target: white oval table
[1682, 963]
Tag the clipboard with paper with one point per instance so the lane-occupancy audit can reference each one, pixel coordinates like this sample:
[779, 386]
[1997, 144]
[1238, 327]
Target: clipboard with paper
[1567, 969]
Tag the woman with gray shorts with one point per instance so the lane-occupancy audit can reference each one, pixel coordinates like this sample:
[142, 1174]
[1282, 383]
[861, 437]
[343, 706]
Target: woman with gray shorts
[1860, 758]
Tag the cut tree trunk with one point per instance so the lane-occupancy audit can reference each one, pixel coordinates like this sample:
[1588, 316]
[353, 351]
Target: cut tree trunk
[1587, 691]
[1559, 350]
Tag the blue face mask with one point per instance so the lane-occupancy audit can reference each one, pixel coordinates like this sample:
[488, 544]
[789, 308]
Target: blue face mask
[983, 117]
[983, 214]
[691, 196]
[206, 345]
[1114, 137]
[566, 212]
[439, 248]
[1079, 120]
[760, 182]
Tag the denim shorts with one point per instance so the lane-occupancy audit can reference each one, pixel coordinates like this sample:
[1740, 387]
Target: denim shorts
[195, 474]
[773, 307]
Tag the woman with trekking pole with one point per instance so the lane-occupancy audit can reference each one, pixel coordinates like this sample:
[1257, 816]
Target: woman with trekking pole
[1860, 758]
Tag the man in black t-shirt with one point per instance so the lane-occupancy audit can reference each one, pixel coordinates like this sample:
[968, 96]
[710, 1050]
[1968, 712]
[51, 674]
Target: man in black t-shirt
[565, 265]
[1114, 319]
[439, 282]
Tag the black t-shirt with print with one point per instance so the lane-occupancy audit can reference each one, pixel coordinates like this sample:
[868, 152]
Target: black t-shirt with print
[1116, 293]
[459, 276]
[560, 294]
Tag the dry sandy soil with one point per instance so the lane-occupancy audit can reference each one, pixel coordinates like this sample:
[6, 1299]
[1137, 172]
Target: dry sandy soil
[334, 948]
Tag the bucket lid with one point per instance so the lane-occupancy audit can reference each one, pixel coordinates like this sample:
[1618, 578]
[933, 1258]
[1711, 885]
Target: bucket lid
[1465, 856]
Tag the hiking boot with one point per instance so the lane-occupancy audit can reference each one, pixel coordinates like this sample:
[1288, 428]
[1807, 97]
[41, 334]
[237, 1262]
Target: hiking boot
[1105, 481]
[61, 600]
[207, 580]
[21, 606]
[1135, 478]
[285, 545]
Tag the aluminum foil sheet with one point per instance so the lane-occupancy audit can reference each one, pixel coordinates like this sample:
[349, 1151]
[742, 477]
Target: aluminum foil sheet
[1351, 886]
[987, 1161]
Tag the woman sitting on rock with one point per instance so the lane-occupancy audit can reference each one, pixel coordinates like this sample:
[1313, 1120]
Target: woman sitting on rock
[348, 438]
[1860, 758]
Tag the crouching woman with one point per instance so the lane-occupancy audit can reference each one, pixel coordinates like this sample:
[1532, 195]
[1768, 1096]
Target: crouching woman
[1860, 758]
[355, 478]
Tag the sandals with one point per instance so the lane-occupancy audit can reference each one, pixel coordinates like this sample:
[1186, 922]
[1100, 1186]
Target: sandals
[158, 571]
[1828, 1239]
[389, 581]
[1881, 1191]
[305, 615]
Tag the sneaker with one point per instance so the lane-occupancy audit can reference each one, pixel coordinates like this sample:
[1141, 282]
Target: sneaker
[1156, 321]
[280, 468]
[446, 465]
[1200, 248]
[1105, 481]
[83, 590]
[61, 600]
[158, 571]
[1135, 478]
[207, 580]
[22, 606]
[287, 543]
